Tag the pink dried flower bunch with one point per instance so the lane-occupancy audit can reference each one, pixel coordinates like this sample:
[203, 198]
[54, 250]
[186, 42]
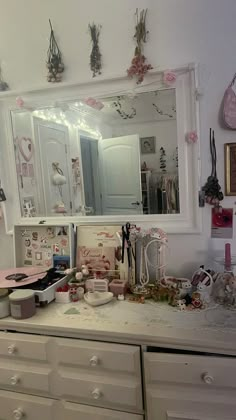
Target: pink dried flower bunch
[139, 68]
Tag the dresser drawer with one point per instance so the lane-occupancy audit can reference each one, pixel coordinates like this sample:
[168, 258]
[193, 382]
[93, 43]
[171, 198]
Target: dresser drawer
[70, 411]
[25, 407]
[99, 356]
[23, 346]
[206, 371]
[24, 378]
[103, 391]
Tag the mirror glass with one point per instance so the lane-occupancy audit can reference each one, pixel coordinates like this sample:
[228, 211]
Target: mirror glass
[110, 156]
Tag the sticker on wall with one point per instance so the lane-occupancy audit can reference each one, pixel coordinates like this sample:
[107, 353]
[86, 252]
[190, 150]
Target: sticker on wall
[56, 249]
[27, 242]
[64, 242]
[62, 231]
[51, 232]
[28, 253]
[43, 240]
[221, 223]
[35, 245]
[39, 264]
[38, 256]
[28, 262]
[25, 234]
[45, 246]
[35, 236]
[48, 255]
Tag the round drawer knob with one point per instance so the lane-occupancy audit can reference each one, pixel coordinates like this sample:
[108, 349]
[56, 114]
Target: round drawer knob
[96, 394]
[94, 361]
[208, 379]
[11, 349]
[14, 380]
[18, 414]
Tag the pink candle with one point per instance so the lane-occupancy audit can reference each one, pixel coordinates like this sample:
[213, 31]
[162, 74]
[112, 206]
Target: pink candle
[227, 257]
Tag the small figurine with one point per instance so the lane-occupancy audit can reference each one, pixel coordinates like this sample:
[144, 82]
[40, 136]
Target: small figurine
[205, 288]
[185, 287]
[73, 294]
[196, 300]
[181, 304]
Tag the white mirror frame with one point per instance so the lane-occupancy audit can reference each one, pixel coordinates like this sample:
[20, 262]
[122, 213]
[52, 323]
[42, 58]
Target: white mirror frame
[187, 105]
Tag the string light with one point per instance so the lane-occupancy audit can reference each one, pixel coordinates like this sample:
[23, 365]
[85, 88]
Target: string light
[60, 117]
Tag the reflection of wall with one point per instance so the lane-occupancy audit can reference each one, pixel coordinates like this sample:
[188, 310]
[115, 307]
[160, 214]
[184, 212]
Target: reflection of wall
[22, 128]
[166, 136]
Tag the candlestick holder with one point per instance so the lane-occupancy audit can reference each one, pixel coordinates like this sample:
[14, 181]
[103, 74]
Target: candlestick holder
[223, 266]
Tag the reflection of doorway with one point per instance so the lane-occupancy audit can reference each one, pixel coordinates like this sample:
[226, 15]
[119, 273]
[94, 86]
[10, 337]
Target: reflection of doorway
[89, 154]
[53, 143]
[120, 175]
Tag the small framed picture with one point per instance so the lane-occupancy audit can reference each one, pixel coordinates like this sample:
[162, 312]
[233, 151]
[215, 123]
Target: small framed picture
[25, 169]
[147, 145]
[230, 169]
[28, 207]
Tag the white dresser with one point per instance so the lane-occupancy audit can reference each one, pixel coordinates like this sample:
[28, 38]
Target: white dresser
[56, 367]
[58, 378]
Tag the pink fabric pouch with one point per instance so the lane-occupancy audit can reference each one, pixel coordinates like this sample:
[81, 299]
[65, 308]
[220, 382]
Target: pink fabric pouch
[229, 106]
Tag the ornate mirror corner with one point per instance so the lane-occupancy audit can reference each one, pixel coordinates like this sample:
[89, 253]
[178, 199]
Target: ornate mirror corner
[111, 151]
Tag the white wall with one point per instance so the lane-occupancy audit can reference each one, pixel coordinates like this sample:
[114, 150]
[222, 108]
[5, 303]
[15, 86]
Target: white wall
[181, 31]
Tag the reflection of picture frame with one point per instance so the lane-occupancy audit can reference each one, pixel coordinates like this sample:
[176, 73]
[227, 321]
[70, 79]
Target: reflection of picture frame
[230, 169]
[28, 207]
[147, 145]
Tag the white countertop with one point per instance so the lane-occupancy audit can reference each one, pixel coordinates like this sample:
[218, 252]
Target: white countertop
[156, 324]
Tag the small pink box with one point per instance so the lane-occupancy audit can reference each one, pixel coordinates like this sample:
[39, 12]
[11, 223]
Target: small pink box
[118, 287]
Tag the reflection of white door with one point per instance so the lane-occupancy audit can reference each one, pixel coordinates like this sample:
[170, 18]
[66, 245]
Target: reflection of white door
[120, 175]
[53, 141]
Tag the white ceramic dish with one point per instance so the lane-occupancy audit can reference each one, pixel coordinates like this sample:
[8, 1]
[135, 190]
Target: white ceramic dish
[98, 298]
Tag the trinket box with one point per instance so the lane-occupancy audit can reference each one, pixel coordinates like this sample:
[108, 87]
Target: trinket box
[118, 287]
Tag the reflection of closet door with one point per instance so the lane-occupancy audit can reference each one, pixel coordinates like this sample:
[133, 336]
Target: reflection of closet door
[53, 143]
[120, 175]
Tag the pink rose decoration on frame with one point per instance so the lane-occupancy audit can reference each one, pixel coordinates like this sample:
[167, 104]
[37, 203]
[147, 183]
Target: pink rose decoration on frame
[169, 78]
[19, 102]
[94, 103]
[192, 137]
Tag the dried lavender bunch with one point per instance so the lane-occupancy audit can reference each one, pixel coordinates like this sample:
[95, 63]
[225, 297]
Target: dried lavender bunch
[95, 56]
[54, 60]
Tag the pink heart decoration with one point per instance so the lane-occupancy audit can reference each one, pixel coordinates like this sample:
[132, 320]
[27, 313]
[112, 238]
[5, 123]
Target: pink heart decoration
[26, 148]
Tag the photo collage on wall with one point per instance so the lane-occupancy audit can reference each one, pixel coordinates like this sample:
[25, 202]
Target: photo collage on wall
[44, 246]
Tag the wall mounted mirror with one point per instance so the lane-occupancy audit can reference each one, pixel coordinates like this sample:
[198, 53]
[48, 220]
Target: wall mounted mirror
[118, 155]
[108, 150]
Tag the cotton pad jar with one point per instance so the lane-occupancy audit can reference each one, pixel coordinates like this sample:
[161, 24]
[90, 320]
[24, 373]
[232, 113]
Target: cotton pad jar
[22, 304]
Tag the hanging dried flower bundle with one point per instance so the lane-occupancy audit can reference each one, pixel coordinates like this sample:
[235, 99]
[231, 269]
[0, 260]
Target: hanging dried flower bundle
[54, 60]
[3, 84]
[162, 159]
[95, 56]
[139, 67]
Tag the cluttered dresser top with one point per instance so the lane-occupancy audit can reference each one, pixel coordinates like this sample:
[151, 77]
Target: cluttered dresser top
[210, 330]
